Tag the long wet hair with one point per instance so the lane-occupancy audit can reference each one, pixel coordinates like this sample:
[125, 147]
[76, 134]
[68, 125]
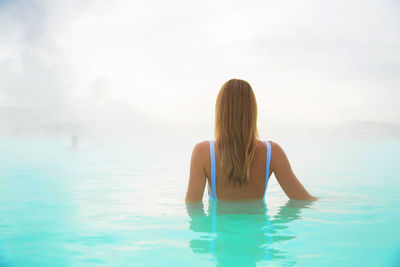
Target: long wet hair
[236, 131]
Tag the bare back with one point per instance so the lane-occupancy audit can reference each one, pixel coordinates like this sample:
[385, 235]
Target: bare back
[200, 174]
[253, 190]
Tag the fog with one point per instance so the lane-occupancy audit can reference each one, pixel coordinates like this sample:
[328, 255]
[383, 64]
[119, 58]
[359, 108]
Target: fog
[147, 73]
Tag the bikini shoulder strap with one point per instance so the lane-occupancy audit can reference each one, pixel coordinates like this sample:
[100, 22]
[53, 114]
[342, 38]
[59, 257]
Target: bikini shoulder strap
[212, 157]
[268, 163]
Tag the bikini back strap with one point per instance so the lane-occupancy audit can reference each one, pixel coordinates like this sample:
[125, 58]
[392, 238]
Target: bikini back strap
[213, 186]
[267, 166]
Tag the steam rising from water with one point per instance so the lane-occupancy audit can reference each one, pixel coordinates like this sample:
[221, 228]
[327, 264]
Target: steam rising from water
[148, 72]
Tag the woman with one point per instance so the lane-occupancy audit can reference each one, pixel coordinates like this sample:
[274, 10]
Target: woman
[238, 156]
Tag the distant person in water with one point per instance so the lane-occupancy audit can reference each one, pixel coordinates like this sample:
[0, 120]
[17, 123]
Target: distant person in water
[74, 143]
[238, 156]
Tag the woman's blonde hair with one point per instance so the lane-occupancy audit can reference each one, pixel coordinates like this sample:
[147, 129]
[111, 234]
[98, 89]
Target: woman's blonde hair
[236, 131]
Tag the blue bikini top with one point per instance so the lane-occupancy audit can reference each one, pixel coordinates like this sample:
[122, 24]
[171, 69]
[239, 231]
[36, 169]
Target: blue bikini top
[213, 194]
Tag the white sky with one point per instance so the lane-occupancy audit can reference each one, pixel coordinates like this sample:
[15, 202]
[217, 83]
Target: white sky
[309, 62]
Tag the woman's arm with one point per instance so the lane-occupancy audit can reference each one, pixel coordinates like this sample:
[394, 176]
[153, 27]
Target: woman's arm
[285, 176]
[197, 178]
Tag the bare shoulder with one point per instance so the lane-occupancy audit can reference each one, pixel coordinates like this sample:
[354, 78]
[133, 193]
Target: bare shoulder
[278, 155]
[201, 149]
[276, 148]
[202, 145]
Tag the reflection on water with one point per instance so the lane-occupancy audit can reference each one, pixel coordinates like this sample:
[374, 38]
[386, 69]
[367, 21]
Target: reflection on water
[241, 233]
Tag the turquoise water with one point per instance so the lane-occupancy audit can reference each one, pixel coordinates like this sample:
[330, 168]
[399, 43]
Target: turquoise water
[117, 207]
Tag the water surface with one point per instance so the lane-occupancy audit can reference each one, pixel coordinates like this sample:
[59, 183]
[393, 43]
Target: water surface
[117, 207]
